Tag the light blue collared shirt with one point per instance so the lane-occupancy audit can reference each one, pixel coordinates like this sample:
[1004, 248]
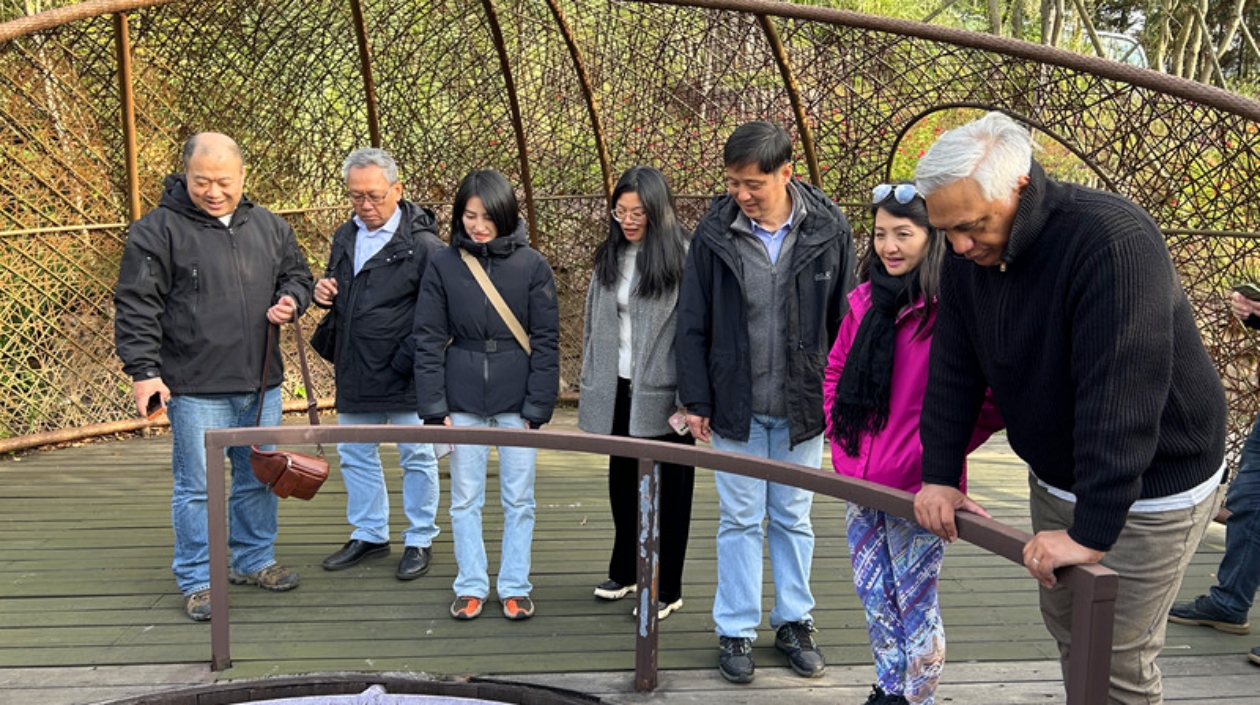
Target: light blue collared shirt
[369, 242]
[773, 240]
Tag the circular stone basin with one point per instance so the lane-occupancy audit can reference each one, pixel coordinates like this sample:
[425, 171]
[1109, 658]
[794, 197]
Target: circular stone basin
[376, 695]
[364, 689]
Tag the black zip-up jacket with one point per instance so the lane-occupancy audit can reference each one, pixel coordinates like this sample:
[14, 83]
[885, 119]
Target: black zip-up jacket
[375, 310]
[1092, 351]
[192, 296]
[483, 370]
[714, 369]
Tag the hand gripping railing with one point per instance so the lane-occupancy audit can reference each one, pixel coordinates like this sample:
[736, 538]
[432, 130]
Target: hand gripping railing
[1093, 586]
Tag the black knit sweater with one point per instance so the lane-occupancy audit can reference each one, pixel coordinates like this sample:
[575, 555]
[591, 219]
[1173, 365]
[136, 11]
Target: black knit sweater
[1091, 349]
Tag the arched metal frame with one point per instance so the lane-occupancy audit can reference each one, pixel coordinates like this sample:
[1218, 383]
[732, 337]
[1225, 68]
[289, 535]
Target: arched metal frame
[96, 97]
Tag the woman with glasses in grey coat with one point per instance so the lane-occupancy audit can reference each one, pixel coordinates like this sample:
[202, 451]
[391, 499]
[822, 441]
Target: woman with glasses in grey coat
[629, 381]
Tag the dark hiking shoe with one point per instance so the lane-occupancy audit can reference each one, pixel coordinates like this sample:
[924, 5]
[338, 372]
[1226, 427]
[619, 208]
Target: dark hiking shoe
[1254, 656]
[613, 590]
[663, 608]
[1203, 612]
[796, 641]
[198, 606]
[274, 577]
[735, 659]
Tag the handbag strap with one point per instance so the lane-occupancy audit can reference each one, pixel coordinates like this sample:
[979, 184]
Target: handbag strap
[492, 293]
[311, 404]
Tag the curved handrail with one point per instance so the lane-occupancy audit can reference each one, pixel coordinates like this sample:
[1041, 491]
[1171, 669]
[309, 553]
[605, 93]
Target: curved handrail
[1094, 587]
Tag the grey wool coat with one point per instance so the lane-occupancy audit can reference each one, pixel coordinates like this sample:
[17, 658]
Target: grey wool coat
[654, 380]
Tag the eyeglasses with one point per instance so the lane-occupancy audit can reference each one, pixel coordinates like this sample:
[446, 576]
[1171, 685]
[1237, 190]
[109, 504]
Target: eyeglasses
[359, 198]
[904, 193]
[638, 215]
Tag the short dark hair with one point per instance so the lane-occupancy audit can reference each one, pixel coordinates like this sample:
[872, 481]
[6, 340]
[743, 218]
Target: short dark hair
[496, 195]
[762, 143]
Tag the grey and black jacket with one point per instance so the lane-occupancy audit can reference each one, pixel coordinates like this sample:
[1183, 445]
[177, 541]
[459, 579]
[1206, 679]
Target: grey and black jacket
[714, 365]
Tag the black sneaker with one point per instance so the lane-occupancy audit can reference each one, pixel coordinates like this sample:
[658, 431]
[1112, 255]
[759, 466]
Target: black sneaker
[735, 659]
[1254, 655]
[1203, 612]
[796, 641]
[613, 590]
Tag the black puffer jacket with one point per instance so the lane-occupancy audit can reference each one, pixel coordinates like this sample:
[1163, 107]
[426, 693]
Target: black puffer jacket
[714, 369]
[484, 371]
[192, 296]
[375, 311]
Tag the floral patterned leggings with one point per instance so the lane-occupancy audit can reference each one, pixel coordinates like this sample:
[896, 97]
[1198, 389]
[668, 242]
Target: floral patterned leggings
[895, 568]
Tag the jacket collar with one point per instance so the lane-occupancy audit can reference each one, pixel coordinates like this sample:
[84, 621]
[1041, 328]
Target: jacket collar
[500, 247]
[1030, 215]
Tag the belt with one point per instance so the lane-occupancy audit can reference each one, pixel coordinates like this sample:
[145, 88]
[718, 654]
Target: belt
[486, 346]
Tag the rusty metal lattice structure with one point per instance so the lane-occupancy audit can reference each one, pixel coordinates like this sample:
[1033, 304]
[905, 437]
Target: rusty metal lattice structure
[560, 95]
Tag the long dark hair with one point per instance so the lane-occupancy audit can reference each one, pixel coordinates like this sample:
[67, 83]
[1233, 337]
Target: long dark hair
[496, 195]
[929, 269]
[663, 252]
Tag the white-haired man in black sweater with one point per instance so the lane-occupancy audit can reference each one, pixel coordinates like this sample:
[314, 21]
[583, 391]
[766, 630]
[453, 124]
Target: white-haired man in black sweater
[1064, 301]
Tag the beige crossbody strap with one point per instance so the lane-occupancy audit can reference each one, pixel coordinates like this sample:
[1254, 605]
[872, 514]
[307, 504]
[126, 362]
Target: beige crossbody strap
[479, 273]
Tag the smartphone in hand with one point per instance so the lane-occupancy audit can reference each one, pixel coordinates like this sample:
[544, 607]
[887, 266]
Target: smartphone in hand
[154, 407]
[1249, 290]
[678, 422]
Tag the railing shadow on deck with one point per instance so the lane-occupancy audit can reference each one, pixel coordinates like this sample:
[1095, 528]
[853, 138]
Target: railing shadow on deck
[1093, 586]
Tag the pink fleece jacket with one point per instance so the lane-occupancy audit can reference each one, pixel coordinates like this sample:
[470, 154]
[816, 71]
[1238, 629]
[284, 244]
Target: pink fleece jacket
[894, 457]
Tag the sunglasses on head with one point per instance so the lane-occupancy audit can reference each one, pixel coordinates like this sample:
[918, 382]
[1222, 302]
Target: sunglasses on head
[904, 193]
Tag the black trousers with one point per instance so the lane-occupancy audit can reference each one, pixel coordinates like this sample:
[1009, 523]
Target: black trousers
[676, 487]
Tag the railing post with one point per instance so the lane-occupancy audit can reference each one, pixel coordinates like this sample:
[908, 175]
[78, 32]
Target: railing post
[1093, 616]
[216, 507]
[126, 94]
[645, 642]
[365, 67]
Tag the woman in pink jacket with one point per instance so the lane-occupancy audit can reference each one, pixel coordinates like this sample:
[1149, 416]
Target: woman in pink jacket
[873, 393]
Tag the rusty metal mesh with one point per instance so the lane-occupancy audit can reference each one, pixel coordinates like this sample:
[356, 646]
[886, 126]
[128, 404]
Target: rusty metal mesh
[666, 84]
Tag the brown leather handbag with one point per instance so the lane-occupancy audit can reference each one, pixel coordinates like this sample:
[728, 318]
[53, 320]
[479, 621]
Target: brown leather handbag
[289, 474]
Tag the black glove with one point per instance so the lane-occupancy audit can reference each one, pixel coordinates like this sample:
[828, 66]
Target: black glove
[533, 425]
[435, 421]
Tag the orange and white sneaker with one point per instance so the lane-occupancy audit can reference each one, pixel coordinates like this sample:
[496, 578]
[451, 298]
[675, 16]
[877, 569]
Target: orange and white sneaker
[465, 607]
[518, 607]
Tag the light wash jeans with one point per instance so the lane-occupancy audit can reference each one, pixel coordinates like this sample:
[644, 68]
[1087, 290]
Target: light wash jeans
[367, 500]
[468, 495]
[743, 502]
[251, 505]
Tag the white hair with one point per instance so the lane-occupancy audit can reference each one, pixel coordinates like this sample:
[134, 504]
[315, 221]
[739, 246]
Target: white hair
[994, 151]
[371, 156]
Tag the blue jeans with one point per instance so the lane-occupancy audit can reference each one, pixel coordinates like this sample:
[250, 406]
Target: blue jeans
[743, 502]
[1239, 573]
[367, 500]
[251, 505]
[468, 495]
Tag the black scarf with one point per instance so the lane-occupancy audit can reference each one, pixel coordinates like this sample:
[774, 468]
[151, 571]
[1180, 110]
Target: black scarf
[865, 386]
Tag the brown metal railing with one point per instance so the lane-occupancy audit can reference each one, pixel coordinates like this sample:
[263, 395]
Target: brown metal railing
[1093, 586]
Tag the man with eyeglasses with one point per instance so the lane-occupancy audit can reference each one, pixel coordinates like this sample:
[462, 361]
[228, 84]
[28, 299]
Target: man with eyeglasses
[202, 278]
[1068, 307]
[762, 297]
[370, 286]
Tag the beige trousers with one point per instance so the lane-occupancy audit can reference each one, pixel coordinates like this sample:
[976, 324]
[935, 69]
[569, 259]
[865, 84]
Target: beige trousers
[1151, 556]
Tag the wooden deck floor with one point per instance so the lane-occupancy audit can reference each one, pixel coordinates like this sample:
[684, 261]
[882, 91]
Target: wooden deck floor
[86, 594]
